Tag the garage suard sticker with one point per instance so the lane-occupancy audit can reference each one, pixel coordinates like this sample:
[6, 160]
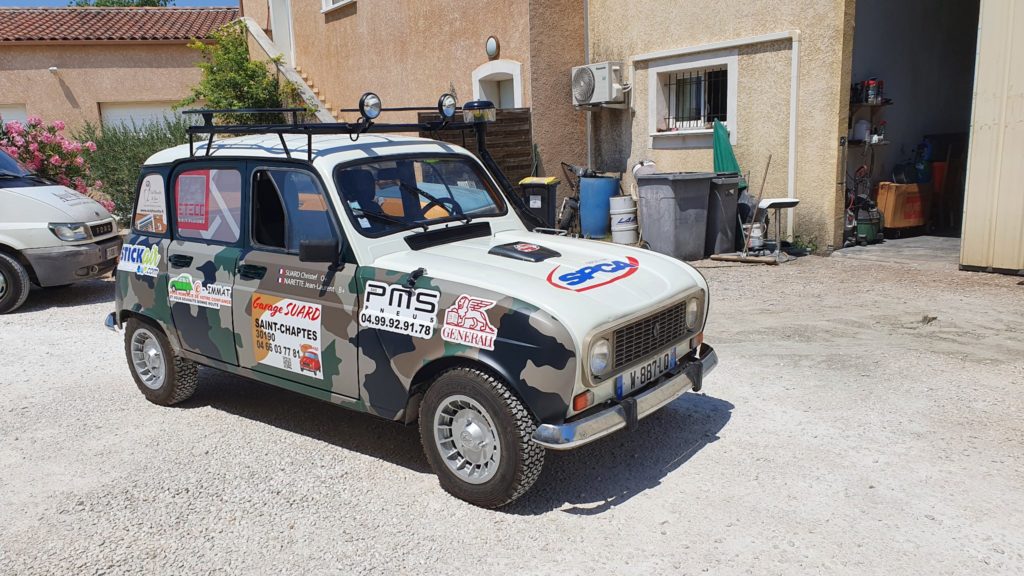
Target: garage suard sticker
[186, 290]
[287, 334]
[143, 260]
[395, 308]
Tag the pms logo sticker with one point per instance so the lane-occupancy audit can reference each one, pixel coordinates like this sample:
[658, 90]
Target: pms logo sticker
[466, 322]
[593, 275]
[396, 308]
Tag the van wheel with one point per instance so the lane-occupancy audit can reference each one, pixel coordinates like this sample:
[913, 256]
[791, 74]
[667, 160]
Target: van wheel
[14, 284]
[163, 377]
[477, 437]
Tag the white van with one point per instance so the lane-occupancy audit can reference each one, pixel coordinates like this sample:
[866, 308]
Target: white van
[50, 235]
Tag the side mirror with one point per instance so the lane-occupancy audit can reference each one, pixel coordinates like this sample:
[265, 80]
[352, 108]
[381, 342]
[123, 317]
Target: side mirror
[319, 250]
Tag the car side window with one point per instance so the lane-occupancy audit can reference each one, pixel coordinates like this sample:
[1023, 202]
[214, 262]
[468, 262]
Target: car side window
[208, 204]
[151, 206]
[288, 206]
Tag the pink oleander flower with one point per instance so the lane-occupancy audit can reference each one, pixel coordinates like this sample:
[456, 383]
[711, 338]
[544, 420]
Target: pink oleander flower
[108, 205]
[97, 184]
[58, 125]
[90, 146]
[15, 128]
[55, 160]
[34, 120]
[79, 161]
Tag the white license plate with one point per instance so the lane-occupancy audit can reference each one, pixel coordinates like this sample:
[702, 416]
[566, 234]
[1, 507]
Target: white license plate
[112, 252]
[644, 374]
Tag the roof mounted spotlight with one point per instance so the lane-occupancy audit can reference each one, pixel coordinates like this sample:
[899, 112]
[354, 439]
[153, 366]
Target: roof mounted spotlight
[447, 106]
[478, 111]
[369, 106]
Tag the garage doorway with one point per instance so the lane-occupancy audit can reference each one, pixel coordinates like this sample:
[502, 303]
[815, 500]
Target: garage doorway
[910, 115]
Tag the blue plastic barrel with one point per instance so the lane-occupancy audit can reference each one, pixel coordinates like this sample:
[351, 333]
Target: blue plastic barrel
[594, 210]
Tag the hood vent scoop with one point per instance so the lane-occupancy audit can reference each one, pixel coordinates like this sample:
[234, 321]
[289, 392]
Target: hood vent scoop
[524, 251]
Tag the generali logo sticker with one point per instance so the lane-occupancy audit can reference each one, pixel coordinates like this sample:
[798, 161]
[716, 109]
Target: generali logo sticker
[466, 322]
[593, 275]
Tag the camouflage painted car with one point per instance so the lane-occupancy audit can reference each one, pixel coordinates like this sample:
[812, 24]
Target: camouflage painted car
[389, 275]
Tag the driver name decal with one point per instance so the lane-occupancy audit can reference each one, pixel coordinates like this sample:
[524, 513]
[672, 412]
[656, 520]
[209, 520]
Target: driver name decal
[593, 275]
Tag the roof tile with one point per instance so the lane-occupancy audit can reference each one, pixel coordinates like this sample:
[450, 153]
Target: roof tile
[110, 24]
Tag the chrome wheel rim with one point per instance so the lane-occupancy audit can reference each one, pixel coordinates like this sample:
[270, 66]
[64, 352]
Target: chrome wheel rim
[467, 439]
[147, 359]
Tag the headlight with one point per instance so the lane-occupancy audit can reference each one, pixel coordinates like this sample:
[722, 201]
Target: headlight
[370, 106]
[69, 232]
[446, 106]
[600, 357]
[691, 313]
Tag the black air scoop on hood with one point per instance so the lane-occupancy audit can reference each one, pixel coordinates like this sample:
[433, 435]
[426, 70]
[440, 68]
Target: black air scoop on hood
[524, 251]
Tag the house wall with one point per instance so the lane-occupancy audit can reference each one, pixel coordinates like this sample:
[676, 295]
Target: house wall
[620, 31]
[410, 53]
[926, 58]
[89, 74]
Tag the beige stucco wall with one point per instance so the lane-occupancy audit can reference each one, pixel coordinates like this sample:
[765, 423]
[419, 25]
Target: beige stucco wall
[620, 31]
[89, 74]
[411, 52]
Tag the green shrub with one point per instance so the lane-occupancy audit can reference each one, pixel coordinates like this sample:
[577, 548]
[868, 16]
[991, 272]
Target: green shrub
[120, 152]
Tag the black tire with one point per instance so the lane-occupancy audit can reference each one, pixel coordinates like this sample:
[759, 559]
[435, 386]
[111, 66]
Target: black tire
[14, 282]
[521, 459]
[179, 375]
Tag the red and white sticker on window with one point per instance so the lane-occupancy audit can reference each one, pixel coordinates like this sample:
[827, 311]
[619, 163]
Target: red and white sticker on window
[193, 200]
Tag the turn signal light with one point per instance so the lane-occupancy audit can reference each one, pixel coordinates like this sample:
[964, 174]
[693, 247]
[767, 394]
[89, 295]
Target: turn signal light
[581, 401]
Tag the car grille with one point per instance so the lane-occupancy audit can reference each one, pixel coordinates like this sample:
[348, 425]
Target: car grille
[101, 229]
[648, 335]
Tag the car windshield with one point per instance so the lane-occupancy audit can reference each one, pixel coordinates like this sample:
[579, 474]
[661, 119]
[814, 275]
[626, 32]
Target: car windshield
[389, 196]
[11, 166]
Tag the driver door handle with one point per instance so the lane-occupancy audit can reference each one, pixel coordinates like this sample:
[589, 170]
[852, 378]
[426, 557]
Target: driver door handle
[252, 272]
[180, 260]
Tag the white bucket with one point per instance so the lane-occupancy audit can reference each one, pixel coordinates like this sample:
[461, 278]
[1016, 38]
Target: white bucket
[627, 235]
[756, 233]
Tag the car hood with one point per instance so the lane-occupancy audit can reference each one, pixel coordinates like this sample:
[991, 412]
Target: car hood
[74, 206]
[586, 285]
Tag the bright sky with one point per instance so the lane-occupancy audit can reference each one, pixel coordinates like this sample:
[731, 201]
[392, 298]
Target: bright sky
[63, 3]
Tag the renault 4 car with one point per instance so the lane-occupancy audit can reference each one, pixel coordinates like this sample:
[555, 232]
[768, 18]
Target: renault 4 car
[403, 277]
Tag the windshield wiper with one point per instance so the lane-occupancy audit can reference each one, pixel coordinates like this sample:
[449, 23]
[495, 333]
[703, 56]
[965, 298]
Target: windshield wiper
[6, 174]
[435, 200]
[385, 218]
[28, 175]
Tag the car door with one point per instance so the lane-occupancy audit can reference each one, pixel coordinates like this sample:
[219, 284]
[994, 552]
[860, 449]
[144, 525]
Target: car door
[296, 320]
[203, 255]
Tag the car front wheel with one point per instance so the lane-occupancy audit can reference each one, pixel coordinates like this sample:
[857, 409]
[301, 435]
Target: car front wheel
[476, 436]
[14, 284]
[163, 377]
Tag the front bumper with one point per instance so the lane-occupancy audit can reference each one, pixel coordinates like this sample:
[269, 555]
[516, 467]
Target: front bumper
[66, 264]
[673, 384]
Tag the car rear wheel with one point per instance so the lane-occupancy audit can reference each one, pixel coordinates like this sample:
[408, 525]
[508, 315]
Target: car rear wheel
[14, 284]
[162, 377]
[476, 436]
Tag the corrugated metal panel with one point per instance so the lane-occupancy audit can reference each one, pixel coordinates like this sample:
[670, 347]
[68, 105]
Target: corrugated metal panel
[993, 233]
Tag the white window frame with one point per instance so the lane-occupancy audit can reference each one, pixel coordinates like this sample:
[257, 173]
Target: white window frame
[499, 70]
[328, 5]
[658, 100]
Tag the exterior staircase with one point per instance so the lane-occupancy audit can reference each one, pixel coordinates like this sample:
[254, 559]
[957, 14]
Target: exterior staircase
[309, 93]
[316, 91]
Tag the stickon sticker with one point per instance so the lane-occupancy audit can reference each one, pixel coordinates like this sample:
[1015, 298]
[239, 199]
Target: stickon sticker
[186, 290]
[594, 274]
[395, 308]
[286, 334]
[143, 260]
[466, 322]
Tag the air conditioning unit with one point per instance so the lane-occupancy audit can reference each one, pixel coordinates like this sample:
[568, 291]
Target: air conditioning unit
[597, 84]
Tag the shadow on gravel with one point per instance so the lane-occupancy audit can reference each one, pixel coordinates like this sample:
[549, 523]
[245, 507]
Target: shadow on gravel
[78, 294]
[600, 476]
[347, 429]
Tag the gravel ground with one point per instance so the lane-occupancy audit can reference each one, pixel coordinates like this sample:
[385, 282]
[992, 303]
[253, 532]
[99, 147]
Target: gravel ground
[865, 419]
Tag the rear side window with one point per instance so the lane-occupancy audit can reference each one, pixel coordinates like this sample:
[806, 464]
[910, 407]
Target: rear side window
[288, 206]
[151, 210]
[208, 205]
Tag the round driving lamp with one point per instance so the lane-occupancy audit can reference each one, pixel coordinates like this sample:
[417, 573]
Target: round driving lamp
[369, 106]
[478, 111]
[600, 357]
[691, 313]
[446, 106]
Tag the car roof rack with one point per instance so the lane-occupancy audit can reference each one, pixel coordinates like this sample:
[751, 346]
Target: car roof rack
[369, 110]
